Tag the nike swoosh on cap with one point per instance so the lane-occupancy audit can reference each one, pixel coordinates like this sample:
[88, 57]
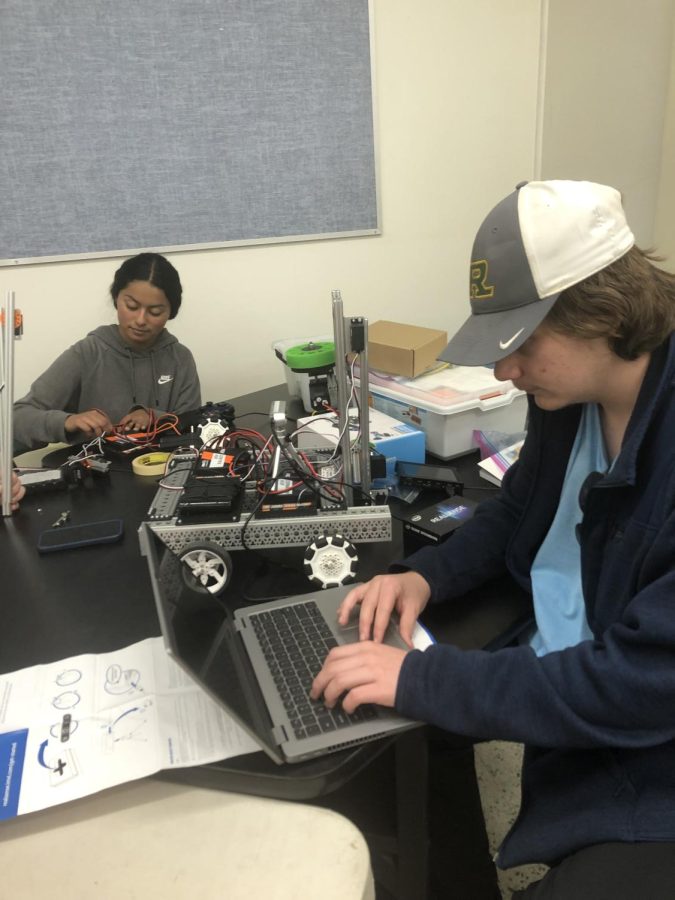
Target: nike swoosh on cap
[503, 345]
[165, 379]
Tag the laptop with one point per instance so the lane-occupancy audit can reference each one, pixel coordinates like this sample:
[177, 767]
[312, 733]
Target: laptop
[248, 663]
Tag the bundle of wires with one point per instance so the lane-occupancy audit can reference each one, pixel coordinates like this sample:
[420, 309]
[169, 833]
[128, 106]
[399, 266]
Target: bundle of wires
[128, 442]
[245, 452]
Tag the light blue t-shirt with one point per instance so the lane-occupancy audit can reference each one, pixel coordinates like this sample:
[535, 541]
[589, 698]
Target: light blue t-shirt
[556, 573]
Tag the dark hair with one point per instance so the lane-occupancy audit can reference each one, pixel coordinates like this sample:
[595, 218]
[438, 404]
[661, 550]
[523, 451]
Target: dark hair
[631, 303]
[154, 268]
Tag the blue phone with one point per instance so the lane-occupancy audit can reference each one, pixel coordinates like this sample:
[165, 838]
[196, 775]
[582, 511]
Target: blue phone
[70, 537]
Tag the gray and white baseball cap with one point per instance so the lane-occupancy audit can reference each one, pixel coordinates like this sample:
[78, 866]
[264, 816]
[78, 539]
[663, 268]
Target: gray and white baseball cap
[543, 238]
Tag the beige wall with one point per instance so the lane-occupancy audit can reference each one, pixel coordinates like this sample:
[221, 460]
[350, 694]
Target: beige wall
[664, 233]
[607, 75]
[459, 123]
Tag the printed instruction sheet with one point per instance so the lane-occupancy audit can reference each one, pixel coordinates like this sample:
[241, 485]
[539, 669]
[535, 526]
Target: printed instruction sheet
[74, 727]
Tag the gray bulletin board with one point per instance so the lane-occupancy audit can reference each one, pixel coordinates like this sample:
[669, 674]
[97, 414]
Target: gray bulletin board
[175, 124]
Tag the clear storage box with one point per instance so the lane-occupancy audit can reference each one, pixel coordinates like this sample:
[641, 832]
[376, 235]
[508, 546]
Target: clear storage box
[448, 403]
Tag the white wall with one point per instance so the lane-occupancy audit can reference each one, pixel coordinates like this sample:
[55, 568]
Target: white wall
[664, 234]
[607, 75]
[457, 91]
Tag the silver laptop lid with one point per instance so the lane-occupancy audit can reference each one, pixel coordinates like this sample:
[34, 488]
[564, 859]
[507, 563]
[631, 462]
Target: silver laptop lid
[199, 634]
[215, 647]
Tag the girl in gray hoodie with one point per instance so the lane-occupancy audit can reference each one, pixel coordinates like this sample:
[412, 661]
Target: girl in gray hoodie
[118, 374]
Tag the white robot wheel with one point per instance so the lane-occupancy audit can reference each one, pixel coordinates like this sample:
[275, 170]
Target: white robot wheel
[331, 560]
[206, 568]
[211, 430]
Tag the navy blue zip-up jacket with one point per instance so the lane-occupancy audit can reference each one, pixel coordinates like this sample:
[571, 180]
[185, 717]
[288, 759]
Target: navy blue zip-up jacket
[597, 719]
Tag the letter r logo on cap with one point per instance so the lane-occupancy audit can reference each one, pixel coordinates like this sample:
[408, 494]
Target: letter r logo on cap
[479, 288]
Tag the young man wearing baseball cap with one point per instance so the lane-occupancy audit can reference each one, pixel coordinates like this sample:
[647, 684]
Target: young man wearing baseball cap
[565, 305]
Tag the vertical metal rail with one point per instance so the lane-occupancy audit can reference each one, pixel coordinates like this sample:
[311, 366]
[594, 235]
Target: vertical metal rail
[342, 394]
[6, 399]
[364, 413]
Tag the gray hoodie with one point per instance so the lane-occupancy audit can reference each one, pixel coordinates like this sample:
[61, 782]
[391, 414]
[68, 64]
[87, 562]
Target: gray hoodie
[102, 372]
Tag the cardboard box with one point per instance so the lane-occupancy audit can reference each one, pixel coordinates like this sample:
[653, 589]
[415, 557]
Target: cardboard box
[403, 349]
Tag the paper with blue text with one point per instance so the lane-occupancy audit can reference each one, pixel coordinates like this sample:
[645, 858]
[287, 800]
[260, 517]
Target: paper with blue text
[77, 726]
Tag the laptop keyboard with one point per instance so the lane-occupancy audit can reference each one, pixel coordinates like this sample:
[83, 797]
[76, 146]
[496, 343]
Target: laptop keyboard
[295, 641]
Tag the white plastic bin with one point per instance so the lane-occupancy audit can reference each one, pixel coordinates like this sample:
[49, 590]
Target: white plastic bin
[449, 403]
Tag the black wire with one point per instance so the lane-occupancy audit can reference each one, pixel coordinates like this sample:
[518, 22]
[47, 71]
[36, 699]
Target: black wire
[357, 487]
[308, 477]
[265, 415]
[250, 517]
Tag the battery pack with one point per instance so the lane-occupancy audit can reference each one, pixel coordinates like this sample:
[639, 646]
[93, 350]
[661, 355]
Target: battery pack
[43, 480]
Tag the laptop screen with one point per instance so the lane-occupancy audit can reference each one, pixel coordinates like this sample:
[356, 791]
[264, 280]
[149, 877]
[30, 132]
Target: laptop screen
[199, 634]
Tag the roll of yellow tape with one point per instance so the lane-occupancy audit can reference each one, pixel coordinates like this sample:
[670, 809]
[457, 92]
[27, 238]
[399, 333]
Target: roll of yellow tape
[150, 464]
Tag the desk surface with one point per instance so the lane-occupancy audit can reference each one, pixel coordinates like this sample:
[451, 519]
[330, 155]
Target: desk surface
[99, 599]
[156, 841]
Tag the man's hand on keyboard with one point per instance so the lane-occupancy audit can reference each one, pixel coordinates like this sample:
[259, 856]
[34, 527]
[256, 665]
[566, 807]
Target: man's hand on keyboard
[407, 593]
[362, 672]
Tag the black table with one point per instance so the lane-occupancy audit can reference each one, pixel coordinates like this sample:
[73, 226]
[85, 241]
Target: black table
[98, 599]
